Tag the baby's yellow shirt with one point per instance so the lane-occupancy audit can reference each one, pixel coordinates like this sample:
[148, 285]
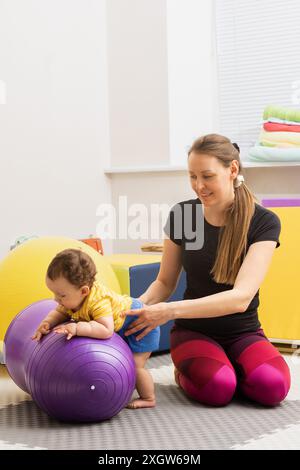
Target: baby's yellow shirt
[101, 302]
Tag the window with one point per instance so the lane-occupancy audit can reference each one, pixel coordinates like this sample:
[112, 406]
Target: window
[258, 63]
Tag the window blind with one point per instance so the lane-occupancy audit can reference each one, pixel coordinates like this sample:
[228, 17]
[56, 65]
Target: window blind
[258, 63]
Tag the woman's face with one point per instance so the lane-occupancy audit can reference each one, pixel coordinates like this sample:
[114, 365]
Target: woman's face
[211, 181]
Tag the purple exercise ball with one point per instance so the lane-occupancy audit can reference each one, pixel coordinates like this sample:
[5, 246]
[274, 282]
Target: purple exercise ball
[82, 379]
[18, 345]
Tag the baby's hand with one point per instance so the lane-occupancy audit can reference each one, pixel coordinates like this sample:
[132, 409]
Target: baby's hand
[43, 329]
[70, 329]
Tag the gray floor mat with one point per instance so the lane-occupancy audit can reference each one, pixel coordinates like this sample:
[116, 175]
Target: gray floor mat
[176, 423]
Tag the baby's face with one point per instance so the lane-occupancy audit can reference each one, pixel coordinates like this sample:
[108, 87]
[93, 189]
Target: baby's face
[66, 294]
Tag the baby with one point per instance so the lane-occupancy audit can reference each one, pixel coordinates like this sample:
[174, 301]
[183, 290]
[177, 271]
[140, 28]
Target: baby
[91, 309]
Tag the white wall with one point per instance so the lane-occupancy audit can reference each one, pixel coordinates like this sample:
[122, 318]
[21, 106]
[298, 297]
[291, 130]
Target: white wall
[54, 136]
[162, 79]
[138, 82]
[192, 79]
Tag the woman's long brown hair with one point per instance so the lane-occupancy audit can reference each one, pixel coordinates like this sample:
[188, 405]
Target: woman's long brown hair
[232, 243]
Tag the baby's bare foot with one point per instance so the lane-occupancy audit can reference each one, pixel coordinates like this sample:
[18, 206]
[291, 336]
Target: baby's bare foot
[141, 403]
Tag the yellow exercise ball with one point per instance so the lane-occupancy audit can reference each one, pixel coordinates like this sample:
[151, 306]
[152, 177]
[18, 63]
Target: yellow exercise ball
[23, 272]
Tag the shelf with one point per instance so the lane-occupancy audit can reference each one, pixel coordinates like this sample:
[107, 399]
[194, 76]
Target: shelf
[248, 164]
[170, 168]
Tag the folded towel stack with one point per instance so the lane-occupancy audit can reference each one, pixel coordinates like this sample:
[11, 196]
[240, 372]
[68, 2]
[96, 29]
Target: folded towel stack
[279, 139]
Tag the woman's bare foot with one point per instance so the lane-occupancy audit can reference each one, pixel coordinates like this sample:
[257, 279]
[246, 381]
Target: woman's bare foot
[176, 377]
[141, 403]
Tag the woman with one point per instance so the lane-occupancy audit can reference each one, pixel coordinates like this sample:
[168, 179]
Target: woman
[217, 342]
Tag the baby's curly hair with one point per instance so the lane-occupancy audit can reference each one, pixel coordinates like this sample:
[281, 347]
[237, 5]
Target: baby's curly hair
[75, 266]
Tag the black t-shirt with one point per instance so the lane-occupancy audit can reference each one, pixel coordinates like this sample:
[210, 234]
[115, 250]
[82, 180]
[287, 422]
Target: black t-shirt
[184, 220]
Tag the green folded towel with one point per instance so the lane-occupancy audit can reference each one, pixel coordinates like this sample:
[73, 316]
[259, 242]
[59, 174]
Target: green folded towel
[281, 112]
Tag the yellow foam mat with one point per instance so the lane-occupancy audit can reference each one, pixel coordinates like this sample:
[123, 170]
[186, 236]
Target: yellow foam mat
[122, 262]
[128, 260]
[279, 309]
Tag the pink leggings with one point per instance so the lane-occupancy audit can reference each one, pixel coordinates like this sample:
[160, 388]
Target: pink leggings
[210, 371]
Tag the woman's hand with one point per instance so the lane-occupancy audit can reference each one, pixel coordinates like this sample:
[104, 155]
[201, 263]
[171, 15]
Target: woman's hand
[69, 329]
[150, 316]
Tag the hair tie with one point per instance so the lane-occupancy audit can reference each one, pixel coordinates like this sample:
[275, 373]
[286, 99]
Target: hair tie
[239, 181]
[236, 146]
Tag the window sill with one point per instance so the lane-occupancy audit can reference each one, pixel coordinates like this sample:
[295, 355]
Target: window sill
[183, 169]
